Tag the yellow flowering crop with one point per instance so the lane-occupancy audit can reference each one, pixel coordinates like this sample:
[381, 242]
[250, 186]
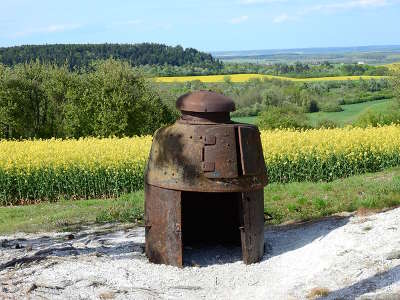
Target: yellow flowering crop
[394, 66]
[246, 77]
[326, 154]
[91, 167]
[89, 153]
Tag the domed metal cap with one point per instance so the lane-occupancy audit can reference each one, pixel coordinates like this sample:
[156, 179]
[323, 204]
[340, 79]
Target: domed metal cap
[204, 102]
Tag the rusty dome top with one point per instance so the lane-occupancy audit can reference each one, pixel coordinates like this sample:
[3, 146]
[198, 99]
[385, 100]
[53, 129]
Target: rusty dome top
[205, 102]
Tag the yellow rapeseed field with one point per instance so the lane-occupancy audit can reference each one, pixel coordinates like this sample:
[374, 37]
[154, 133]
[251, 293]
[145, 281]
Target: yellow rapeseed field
[247, 77]
[91, 167]
[326, 154]
[394, 66]
[89, 153]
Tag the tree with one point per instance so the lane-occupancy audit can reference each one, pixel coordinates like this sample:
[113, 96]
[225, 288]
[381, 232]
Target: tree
[24, 105]
[43, 101]
[282, 117]
[113, 100]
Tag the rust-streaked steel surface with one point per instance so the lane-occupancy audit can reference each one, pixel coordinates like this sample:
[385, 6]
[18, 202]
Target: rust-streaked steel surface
[207, 162]
[205, 101]
[252, 226]
[163, 225]
[184, 157]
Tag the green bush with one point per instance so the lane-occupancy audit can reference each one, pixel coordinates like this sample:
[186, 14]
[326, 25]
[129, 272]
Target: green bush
[282, 117]
[326, 124]
[110, 99]
[311, 106]
[331, 107]
[376, 118]
[368, 96]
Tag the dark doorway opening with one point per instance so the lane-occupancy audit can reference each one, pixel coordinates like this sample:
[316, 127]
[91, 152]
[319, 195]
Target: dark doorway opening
[211, 228]
[210, 219]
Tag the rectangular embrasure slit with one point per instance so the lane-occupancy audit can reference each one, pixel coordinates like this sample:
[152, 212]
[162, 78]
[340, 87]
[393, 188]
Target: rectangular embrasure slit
[238, 152]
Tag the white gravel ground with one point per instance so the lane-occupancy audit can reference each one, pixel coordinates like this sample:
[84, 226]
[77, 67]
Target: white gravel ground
[353, 257]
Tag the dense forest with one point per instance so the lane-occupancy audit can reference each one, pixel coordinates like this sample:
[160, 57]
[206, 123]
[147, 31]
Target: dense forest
[81, 55]
[161, 60]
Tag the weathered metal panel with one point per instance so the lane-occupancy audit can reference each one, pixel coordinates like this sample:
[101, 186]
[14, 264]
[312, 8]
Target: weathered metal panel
[205, 102]
[163, 225]
[220, 150]
[179, 155]
[250, 151]
[252, 226]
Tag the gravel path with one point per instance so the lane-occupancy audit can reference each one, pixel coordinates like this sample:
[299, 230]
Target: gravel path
[353, 257]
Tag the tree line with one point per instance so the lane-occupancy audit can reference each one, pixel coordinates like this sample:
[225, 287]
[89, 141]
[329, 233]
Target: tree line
[82, 55]
[297, 70]
[162, 60]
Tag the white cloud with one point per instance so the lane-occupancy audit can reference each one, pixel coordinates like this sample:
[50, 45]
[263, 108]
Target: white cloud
[238, 20]
[344, 5]
[281, 18]
[332, 7]
[48, 29]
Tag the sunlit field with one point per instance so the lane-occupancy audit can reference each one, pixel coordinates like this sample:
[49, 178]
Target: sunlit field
[247, 77]
[91, 167]
[393, 66]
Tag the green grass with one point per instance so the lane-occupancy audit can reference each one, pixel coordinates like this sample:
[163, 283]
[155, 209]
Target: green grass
[68, 214]
[283, 203]
[306, 201]
[248, 120]
[350, 112]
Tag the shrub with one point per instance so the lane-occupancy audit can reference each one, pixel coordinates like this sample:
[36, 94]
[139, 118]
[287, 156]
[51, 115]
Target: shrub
[326, 124]
[111, 98]
[312, 106]
[376, 118]
[282, 117]
[331, 107]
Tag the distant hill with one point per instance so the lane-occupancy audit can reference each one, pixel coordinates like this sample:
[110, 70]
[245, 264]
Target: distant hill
[365, 54]
[80, 55]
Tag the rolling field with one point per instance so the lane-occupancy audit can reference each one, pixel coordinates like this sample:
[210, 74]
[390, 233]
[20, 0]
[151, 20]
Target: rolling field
[46, 170]
[246, 77]
[349, 114]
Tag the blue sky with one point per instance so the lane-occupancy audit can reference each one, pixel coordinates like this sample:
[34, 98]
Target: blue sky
[206, 25]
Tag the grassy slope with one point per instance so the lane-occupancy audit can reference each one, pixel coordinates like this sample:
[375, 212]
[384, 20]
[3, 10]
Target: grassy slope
[350, 113]
[249, 120]
[283, 202]
[246, 77]
[65, 214]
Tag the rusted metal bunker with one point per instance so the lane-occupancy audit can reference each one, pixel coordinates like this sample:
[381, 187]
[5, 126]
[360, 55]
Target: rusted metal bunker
[204, 182]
